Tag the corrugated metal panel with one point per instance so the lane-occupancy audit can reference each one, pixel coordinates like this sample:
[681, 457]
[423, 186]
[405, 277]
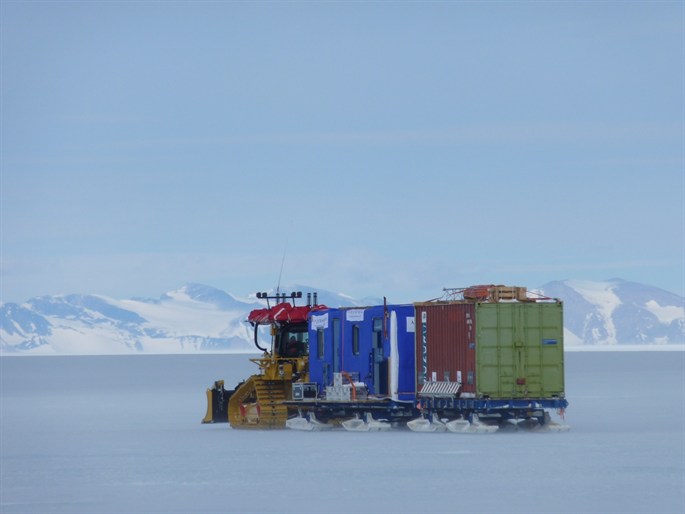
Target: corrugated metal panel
[445, 343]
[520, 350]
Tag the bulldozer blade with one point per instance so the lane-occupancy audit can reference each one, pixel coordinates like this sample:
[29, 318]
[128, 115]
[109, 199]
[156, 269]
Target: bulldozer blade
[217, 403]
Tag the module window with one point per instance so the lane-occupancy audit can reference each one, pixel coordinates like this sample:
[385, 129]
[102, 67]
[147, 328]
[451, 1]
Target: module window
[319, 344]
[355, 339]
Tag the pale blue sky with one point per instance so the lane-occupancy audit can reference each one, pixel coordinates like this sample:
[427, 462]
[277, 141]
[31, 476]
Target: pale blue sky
[390, 148]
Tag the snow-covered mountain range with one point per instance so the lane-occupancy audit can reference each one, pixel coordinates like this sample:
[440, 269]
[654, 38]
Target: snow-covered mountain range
[619, 312]
[193, 318]
[202, 318]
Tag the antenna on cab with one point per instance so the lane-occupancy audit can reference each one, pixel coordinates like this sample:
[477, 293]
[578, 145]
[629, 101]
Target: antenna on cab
[280, 274]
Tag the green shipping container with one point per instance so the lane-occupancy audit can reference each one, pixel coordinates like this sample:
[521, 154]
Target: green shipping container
[519, 350]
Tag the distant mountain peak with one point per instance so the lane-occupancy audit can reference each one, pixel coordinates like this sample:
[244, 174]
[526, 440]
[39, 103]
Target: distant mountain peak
[618, 311]
[202, 293]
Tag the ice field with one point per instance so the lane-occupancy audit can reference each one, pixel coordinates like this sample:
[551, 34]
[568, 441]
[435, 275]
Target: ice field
[114, 434]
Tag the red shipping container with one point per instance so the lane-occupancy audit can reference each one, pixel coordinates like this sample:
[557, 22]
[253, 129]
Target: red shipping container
[445, 344]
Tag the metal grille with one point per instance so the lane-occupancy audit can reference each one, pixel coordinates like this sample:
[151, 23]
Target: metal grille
[440, 389]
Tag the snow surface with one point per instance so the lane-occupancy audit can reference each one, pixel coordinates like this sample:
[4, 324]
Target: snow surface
[96, 434]
[665, 314]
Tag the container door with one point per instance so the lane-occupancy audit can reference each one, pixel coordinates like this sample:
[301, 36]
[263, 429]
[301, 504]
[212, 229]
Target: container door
[519, 350]
[380, 363]
[542, 333]
[494, 351]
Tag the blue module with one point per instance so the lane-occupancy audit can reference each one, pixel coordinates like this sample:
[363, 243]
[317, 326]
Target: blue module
[374, 345]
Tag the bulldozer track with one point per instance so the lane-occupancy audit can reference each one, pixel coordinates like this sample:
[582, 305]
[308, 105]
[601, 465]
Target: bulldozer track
[258, 404]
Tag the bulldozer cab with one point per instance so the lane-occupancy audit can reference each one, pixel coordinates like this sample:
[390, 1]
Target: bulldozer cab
[293, 340]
